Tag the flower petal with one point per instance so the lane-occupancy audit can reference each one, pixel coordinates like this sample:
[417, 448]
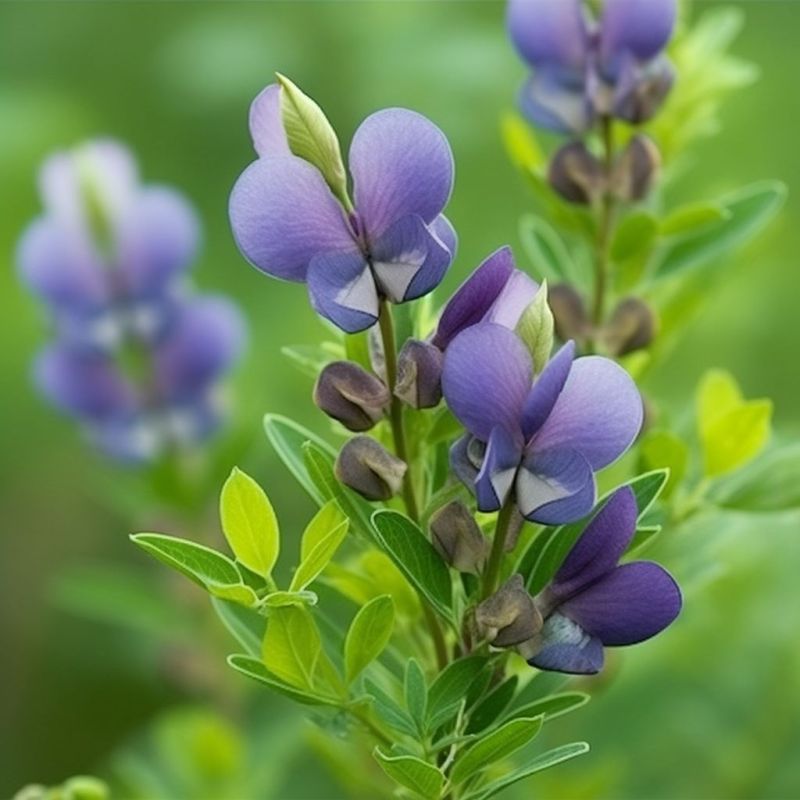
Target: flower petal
[516, 296]
[266, 124]
[567, 648]
[473, 299]
[461, 462]
[630, 604]
[283, 214]
[546, 389]
[203, 342]
[157, 238]
[444, 231]
[486, 377]
[640, 27]
[599, 412]
[496, 477]
[86, 385]
[343, 290]
[557, 101]
[401, 164]
[599, 547]
[548, 32]
[555, 487]
[408, 261]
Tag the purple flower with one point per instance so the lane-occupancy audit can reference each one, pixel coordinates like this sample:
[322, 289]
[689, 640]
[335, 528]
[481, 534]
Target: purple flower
[592, 602]
[107, 254]
[585, 67]
[495, 292]
[539, 438]
[396, 243]
[168, 398]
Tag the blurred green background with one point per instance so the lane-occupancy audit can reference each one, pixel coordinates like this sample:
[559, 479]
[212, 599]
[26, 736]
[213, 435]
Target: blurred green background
[709, 710]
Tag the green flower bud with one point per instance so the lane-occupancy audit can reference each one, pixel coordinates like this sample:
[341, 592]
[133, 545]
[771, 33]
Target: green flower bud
[369, 469]
[458, 539]
[351, 395]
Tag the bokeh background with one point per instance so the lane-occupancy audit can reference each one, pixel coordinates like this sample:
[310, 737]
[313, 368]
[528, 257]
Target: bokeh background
[710, 710]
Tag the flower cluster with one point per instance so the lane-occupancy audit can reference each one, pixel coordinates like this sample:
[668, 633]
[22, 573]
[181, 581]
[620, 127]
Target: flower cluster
[136, 358]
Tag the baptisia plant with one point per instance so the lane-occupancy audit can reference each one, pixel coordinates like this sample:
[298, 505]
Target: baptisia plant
[136, 358]
[292, 216]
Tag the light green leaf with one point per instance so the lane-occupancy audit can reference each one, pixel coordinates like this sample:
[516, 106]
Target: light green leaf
[635, 236]
[292, 646]
[213, 571]
[545, 761]
[550, 707]
[245, 625]
[290, 598]
[495, 746]
[664, 449]
[389, 711]
[287, 437]
[368, 634]
[452, 683]
[415, 691]
[546, 250]
[249, 523]
[420, 777]
[747, 211]
[321, 540]
[717, 395]
[642, 538]
[692, 218]
[312, 138]
[521, 145]
[253, 668]
[535, 328]
[414, 555]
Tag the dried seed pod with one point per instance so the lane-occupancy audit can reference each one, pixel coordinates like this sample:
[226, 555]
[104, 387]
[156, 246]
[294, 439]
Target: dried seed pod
[369, 469]
[458, 539]
[351, 395]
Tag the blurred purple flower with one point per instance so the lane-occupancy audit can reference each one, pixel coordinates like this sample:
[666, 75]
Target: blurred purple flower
[539, 439]
[396, 244]
[495, 292]
[592, 602]
[107, 254]
[583, 68]
[137, 411]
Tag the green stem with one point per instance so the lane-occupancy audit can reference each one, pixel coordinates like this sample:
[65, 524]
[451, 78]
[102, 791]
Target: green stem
[604, 228]
[491, 575]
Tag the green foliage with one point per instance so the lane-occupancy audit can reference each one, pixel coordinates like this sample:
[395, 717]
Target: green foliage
[423, 779]
[213, 571]
[292, 646]
[255, 669]
[733, 431]
[550, 707]
[451, 686]
[312, 138]
[249, 523]
[369, 633]
[492, 706]
[663, 449]
[692, 218]
[79, 787]
[536, 327]
[321, 539]
[546, 251]
[495, 746]
[415, 557]
[415, 694]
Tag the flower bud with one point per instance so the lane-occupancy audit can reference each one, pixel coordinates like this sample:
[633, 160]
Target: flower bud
[351, 395]
[458, 539]
[576, 175]
[369, 469]
[569, 313]
[419, 374]
[641, 98]
[631, 327]
[636, 169]
[509, 617]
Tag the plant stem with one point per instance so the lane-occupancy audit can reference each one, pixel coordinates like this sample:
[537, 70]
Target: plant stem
[396, 409]
[604, 227]
[492, 573]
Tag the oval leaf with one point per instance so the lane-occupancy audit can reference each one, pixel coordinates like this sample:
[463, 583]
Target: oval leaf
[321, 540]
[292, 646]
[369, 633]
[420, 777]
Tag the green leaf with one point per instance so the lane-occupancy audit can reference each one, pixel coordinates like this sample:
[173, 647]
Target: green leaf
[771, 484]
[414, 555]
[288, 438]
[253, 668]
[550, 707]
[321, 540]
[420, 777]
[747, 211]
[389, 711]
[535, 328]
[244, 624]
[312, 138]
[415, 691]
[642, 538]
[692, 218]
[664, 449]
[545, 761]
[292, 646]
[291, 598]
[495, 746]
[213, 571]
[368, 634]
[733, 431]
[521, 145]
[310, 359]
[546, 250]
[452, 683]
[319, 466]
[634, 236]
[249, 523]
[492, 706]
